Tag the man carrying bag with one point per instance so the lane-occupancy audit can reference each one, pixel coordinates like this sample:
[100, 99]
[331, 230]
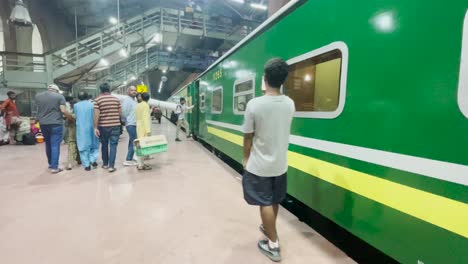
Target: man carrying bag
[143, 126]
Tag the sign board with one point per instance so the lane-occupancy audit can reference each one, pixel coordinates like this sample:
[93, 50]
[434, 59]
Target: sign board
[142, 88]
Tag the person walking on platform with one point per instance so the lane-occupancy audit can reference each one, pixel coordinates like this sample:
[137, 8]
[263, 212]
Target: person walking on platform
[70, 125]
[143, 125]
[128, 117]
[88, 143]
[107, 117]
[50, 111]
[267, 124]
[181, 108]
[11, 115]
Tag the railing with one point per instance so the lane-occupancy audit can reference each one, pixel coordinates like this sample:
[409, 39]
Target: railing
[23, 70]
[161, 19]
[140, 29]
[22, 62]
[2, 75]
[138, 63]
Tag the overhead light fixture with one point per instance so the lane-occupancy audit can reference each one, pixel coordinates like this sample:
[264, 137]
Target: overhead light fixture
[123, 52]
[160, 86]
[307, 78]
[258, 6]
[113, 20]
[164, 71]
[169, 48]
[20, 15]
[133, 78]
[238, 1]
[157, 38]
[104, 62]
[125, 83]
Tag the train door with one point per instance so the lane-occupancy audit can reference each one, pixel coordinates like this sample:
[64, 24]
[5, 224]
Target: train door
[195, 91]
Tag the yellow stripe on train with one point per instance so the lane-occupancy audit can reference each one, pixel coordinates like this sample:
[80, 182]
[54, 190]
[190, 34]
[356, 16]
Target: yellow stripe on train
[437, 210]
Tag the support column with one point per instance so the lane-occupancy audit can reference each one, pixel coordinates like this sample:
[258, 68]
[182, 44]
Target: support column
[24, 45]
[24, 39]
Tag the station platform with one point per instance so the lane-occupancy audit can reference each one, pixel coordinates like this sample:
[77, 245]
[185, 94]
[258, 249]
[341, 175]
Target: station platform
[188, 209]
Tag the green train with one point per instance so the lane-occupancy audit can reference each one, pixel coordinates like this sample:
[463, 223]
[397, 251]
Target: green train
[379, 143]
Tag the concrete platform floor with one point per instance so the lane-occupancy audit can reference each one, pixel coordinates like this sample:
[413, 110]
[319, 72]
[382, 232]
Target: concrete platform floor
[188, 209]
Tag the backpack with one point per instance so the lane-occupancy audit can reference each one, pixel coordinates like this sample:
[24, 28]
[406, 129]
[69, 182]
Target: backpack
[174, 117]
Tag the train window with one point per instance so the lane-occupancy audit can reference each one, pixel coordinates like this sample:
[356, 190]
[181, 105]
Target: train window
[463, 78]
[202, 102]
[244, 91]
[217, 100]
[317, 81]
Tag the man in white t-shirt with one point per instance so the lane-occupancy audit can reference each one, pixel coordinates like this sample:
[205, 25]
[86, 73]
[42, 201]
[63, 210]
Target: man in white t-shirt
[267, 124]
[180, 111]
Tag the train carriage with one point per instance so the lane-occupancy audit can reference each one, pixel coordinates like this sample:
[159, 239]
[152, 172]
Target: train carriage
[379, 143]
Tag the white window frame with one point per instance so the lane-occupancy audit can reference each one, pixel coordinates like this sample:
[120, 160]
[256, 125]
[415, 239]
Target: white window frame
[463, 78]
[202, 109]
[343, 79]
[222, 104]
[234, 94]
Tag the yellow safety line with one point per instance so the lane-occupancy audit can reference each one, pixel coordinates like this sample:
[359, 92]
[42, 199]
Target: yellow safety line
[446, 213]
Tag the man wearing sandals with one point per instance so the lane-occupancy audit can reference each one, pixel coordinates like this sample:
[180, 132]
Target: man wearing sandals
[87, 142]
[11, 115]
[143, 125]
[267, 124]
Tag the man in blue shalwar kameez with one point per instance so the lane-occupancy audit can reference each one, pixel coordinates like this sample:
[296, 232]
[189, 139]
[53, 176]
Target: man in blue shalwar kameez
[88, 143]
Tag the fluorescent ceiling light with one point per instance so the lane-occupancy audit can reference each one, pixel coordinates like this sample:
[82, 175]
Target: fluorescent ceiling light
[125, 83]
[123, 52]
[164, 71]
[160, 87]
[169, 48]
[104, 62]
[258, 6]
[238, 1]
[133, 78]
[113, 20]
[157, 38]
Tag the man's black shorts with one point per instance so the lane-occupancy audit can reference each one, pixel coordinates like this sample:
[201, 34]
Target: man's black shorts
[263, 191]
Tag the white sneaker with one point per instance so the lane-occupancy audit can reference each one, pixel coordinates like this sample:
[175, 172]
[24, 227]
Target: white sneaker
[130, 163]
[272, 253]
